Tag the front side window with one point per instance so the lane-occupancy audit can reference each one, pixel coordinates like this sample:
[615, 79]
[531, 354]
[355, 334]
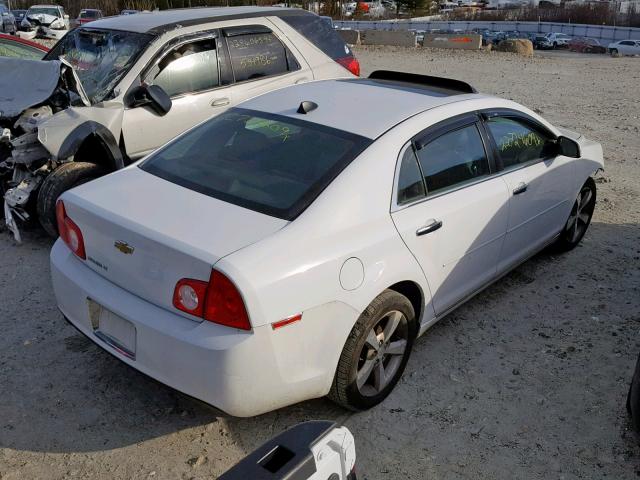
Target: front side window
[410, 183]
[517, 142]
[267, 163]
[258, 54]
[453, 159]
[189, 68]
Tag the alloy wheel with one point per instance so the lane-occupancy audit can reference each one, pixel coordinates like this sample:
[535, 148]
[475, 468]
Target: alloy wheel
[382, 353]
[580, 214]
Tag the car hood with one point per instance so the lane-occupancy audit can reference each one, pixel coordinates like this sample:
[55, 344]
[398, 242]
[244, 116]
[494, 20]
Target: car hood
[42, 18]
[25, 83]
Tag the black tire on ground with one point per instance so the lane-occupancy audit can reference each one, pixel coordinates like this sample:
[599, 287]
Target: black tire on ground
[345, 390]
[555, 45]
[581, 213]
[633, 398]
[63, 178]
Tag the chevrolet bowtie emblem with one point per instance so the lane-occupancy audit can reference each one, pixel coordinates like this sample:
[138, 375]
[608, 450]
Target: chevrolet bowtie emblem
[124, 247]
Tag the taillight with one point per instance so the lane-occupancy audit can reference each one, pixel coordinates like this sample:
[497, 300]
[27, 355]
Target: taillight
[69, 232]
[217, 301]
[190, 295]
[351, 64]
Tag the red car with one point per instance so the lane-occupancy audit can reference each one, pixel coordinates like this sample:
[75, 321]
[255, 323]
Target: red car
[12, 46]
[87, 15]
[586, 45]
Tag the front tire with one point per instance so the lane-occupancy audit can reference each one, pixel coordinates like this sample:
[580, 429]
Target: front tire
[63, 178]
[376, 352]
[579, 218]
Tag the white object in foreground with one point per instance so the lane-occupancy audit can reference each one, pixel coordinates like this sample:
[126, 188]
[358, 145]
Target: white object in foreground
[297, 246]
[316, 450]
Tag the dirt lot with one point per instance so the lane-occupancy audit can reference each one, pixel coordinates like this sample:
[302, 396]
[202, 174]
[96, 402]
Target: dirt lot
[527, 381]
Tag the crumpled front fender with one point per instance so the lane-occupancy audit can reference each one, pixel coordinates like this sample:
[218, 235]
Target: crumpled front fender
[63, 133]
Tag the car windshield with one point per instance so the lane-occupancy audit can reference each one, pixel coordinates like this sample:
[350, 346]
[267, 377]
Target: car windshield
[89, 14]
[268, 163]
[43, 10]
[100, 57]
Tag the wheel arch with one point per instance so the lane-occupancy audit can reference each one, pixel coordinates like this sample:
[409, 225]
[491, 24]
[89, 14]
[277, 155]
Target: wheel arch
[413, 292]
[91, 134]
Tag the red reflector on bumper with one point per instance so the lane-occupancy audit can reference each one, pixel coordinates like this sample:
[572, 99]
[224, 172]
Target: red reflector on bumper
[286, 321]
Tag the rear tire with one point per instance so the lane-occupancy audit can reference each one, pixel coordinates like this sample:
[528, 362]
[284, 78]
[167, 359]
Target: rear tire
[63, 178]
[579, 218]
[376, 352]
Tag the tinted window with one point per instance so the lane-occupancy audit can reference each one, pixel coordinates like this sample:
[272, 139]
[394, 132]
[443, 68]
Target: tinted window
[517, 142]
[189, 68]
[319, 32]
[260, 54]
[410, 184]
[18, 50]
[268, 163]
[452, 159]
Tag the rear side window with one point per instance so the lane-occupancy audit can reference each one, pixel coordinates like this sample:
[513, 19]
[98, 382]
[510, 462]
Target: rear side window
[453, 159]
[410, 183]
[268, 163]
[319, 32]
[258, 53]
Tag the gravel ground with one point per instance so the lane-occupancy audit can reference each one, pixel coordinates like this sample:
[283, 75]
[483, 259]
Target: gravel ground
[526, 381]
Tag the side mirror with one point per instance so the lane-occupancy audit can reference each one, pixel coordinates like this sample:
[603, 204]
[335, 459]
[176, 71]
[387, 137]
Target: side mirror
[149, 95]
[160, 100]
[568, 147]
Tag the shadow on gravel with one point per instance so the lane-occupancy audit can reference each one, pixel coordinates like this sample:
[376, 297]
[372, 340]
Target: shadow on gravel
[62, 393]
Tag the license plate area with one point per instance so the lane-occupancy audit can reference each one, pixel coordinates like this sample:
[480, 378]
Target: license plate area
[112, 329]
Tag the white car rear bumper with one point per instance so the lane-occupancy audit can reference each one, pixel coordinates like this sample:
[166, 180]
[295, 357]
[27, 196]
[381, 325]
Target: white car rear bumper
[242, 373]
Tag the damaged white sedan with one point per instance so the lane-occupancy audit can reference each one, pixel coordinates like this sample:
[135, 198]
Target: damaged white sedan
[115, 90]
[48, 21]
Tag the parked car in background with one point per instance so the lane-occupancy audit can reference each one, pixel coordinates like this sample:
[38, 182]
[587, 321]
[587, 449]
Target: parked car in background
[18, 15]
[229, 269]
[7, 20]
[16, 47]
[624, 47]
[87, 15]
[129, 12]
[541, 42]
[159, 80]
[586, 45]
[48, 21]
[558, 40]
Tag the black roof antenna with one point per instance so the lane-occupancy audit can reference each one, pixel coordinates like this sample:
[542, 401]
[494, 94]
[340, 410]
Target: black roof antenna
[306, 107]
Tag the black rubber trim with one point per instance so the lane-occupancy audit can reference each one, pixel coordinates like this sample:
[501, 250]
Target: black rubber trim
[426, 80]
[79, 134]
[159, 30]
[297, 441]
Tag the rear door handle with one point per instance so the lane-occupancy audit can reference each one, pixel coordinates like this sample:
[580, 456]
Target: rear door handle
[220, 102]
[521, 188]
[429, 227]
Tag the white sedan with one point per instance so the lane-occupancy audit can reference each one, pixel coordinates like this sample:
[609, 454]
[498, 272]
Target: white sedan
[624, 47]
[297, 246]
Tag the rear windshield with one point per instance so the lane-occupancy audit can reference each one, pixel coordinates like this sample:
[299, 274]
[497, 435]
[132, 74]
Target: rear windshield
[319, 32]
[268, 163]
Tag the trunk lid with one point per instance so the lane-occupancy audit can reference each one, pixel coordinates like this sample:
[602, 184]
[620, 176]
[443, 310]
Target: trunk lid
[150, 233]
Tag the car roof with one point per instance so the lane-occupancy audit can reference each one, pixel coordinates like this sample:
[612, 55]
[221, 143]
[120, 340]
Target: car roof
[362, 106]
[44, 6]
[158, 22]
